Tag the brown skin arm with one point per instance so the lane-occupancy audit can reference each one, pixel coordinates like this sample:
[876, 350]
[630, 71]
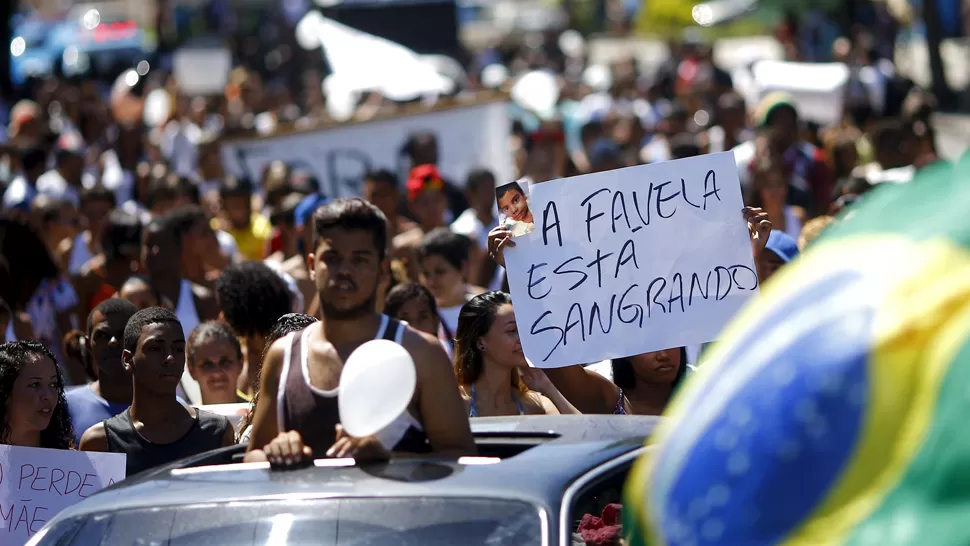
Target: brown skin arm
[75, 370]
[85, 285]
[443, 413]
[587, 390]
[94, 439]
[265, 427]
[205, 303]
[229, 436]
[22, 326]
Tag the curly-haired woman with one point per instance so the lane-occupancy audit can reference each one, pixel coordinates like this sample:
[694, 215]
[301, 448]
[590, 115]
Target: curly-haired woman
[33, 410]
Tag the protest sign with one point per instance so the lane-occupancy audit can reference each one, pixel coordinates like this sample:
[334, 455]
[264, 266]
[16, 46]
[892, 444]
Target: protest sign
[630, 261]
[339, 156]
[202, 69]
[36, 484]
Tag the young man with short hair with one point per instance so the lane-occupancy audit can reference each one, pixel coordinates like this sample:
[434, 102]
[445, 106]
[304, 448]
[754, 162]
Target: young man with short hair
[110, 394]
[297, 416]
[157, 429]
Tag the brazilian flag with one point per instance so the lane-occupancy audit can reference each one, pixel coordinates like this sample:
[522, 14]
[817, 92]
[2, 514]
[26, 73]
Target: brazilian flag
[836, 408]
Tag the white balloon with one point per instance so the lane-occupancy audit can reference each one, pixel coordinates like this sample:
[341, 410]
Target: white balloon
[158, 108]
[494, 76]
[572, 44]
[308, 30]
[537, 91]
[376, 387]
[598, 78]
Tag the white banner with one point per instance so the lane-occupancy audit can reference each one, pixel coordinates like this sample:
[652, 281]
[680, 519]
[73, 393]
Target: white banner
[630, 261]
[468, 137]
[36, 484]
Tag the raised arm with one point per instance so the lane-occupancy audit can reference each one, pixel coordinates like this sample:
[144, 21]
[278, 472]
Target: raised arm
[443, 412]
[552, 400]
[589, 391]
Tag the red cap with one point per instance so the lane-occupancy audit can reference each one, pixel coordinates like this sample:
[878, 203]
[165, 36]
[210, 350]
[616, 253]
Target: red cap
[424, 177]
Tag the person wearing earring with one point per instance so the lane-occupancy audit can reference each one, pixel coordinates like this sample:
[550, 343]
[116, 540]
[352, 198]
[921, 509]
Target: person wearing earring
[494, 376]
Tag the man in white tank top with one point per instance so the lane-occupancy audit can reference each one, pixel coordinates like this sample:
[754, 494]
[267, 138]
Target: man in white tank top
[347, 262]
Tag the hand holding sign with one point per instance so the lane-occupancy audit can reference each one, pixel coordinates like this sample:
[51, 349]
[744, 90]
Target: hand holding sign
[632, 260]
[759, 228]
[499, 239]
[36, 484]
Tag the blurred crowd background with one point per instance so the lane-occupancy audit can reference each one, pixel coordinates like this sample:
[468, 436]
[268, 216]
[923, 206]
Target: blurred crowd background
[115, 112]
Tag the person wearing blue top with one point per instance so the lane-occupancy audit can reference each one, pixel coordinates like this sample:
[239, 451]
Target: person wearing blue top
[23, 188]
[101, 347]
[781, 249]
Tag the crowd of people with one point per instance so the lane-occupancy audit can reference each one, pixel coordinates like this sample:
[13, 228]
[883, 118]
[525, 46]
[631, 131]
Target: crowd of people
[140, 283]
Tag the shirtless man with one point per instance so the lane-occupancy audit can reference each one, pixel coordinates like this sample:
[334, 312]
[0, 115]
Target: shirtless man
[296, 417]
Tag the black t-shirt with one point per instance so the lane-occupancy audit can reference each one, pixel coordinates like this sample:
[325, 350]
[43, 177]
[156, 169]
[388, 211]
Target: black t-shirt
[205, 434]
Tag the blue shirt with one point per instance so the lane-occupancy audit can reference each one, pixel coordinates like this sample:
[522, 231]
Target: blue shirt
[19, 194]
[88, 409]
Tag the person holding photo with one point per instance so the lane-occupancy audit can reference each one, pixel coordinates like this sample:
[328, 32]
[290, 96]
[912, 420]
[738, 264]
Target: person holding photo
[33, 412]
[513, 204]
[640, 384]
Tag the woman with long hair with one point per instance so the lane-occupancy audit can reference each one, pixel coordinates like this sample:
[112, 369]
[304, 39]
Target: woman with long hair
[33, 411]
[492, 371]
[37, 288]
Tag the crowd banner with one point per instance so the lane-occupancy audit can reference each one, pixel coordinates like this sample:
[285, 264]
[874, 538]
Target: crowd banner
[630, 261]
[471, 136]
[36, 484]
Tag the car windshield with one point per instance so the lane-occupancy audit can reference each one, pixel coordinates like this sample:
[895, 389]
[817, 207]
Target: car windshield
[345, 522]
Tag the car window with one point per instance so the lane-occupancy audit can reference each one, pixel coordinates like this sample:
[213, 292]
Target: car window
[596, 511]
[343, 522]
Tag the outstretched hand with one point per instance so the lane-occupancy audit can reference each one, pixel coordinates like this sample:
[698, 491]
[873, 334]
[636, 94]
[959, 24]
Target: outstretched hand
[759, 229]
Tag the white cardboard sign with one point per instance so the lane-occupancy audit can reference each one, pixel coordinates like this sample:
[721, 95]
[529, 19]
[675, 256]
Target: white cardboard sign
[630, 261]
[468, 137]
[36, 484]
